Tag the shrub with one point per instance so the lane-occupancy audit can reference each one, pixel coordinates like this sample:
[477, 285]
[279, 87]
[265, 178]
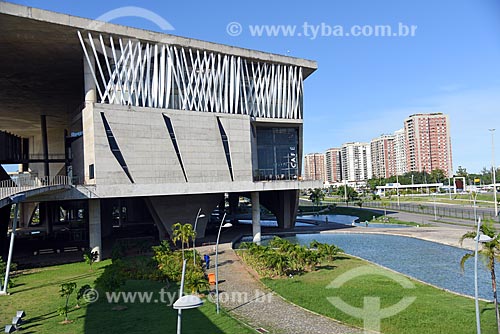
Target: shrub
[282, 258]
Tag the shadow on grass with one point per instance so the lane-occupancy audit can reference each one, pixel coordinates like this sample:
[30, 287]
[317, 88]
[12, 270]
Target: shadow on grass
[67, 280]
[156, 316]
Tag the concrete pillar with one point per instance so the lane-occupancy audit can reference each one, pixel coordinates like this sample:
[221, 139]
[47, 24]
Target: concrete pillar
[256, 217]
[89, 83]
[26, 211]
[45, 146]
[95, 240]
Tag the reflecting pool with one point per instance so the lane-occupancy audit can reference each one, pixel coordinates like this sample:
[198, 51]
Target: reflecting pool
[427, 261]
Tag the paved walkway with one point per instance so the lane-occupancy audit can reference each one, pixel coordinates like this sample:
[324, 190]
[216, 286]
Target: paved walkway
[242, 294]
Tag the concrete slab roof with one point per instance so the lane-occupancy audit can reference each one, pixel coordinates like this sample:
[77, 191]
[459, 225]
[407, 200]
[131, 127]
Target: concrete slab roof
[73, 23]
[41, 64]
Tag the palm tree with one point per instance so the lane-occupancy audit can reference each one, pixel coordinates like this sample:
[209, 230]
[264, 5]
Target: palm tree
[182, 232]
[489, 251]
[316, 196]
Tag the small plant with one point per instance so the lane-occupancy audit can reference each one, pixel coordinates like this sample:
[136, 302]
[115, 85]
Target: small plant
[67, 290]
[90, 257]
[3, 266]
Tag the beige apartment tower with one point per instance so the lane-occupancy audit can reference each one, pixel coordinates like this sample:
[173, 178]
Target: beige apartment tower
[314, 166]
[428, 143]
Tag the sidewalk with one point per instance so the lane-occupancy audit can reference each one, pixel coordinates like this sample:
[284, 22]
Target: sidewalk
[262, 308]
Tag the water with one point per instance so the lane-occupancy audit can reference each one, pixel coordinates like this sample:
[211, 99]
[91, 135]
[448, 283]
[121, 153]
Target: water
[271, 223]
[349, 220]
[321, 219]
[427, 261]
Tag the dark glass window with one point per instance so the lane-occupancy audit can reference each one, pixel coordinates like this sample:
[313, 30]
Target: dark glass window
[277, 151]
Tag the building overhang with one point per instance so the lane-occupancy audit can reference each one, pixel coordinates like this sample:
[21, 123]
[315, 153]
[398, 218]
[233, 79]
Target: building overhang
[41, 62]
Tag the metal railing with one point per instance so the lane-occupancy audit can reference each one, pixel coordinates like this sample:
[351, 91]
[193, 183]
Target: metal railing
[24, 182]
[460, 212]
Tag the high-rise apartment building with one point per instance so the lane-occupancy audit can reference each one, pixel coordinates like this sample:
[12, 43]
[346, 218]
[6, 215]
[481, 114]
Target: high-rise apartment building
[356, 162]
[400, 151]
[314, 166]
[428, 143]
[333, 165]
[383, 158]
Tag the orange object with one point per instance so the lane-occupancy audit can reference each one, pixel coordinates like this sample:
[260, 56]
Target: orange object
[211, 279]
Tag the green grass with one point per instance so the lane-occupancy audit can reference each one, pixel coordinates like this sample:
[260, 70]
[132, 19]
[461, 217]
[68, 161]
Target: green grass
[37, 292]
[434, 311]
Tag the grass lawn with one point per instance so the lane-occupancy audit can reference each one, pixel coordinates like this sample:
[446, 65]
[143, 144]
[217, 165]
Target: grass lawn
[37, 293]
[434, 311]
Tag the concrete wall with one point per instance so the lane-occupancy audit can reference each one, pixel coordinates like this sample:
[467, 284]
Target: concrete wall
[143, 139]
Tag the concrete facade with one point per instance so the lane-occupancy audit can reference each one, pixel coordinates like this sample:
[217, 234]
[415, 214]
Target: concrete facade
[356, 162]
[162, 140]
[428, 143]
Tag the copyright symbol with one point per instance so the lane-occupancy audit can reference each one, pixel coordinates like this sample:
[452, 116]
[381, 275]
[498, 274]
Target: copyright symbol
[234, 29]
[91, 295]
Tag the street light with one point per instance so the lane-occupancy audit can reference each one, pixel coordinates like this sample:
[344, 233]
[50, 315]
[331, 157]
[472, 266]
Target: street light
[217, 261]
[16, 199]
[494, 170]
[185, 302]
[397, 188]
[479, 238]
[199, 215]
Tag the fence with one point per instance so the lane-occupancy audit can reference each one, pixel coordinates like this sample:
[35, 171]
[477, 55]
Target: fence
[24, 182]
[439, 211]
[460, 211]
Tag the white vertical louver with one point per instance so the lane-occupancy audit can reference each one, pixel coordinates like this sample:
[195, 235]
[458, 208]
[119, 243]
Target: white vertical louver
[165, 76]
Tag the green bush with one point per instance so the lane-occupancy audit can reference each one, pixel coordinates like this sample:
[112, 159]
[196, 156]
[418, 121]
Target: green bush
[283, 258]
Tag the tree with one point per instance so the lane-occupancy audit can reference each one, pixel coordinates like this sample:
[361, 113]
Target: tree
[437, 175]
[66, 290]
[489, 251]
[183, 233]
[462, 172]
[351, 193]
[316, 195]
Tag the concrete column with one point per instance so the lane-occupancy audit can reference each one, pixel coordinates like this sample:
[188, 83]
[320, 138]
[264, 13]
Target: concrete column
[256, 217]
[89, 83]
[95, 240]
[45, 146]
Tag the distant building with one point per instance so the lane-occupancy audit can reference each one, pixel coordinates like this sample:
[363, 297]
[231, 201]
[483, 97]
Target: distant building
[383, 158]
[356, 162]
[400, 151]
[314, 166]
[428, 143]
[333, 165]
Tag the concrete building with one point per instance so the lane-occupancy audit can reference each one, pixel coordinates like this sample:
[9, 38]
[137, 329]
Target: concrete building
[383, 157]
[115, 125]
[400, 151]
[428, 143]
[356, 162]
[314, 167]
[333, 165]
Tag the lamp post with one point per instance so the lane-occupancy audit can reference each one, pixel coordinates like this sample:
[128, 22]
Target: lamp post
[412, 186]
[435, 213]
[494, 170]
[16, 200]
[345, 191]
[479, 238]
[199, 215]
[217, 261]
[397, 188]
[185, 302]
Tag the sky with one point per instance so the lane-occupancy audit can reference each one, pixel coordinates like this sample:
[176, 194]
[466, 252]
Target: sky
[365, 86]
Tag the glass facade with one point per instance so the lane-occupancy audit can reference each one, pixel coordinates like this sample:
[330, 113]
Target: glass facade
[277, 151]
